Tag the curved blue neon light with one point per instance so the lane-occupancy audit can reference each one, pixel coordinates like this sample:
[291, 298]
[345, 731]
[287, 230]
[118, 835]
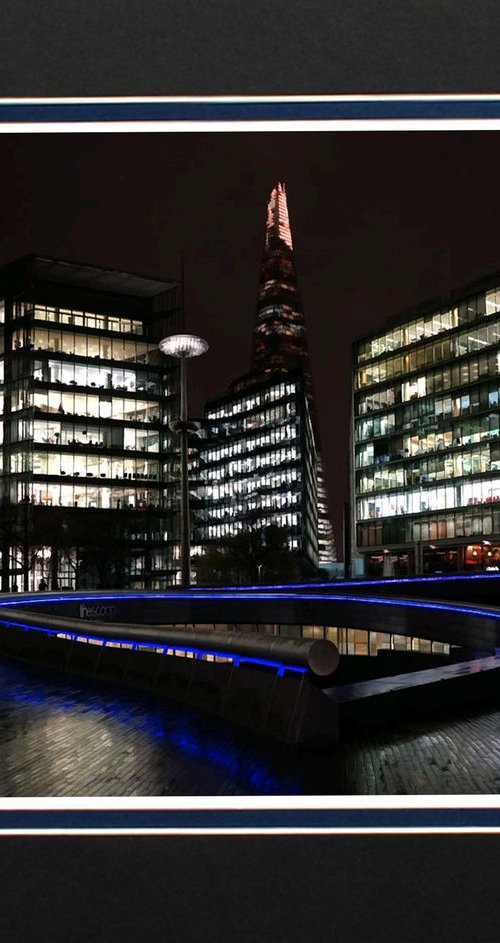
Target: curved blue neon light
[245, 594]
[223, 595]
[388, 581]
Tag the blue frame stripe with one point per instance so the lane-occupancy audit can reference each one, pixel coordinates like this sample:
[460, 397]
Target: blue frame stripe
[262, 819]
[31, 111]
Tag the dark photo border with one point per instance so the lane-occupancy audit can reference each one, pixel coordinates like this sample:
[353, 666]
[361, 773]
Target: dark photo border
[423, 872]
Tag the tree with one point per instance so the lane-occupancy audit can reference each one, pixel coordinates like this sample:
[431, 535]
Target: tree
[257, 555]
[279, 562]
[213, 567]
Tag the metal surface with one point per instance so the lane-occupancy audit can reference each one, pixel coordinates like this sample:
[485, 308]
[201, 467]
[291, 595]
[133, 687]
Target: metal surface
[184, 346]
[185, 511]
[474, 626]
[316, 655]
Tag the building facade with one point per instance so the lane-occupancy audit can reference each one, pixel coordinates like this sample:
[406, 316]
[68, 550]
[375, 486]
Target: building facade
[257, 464]
[88, 467]
[426, 439]
[280, 339]
[259, 459]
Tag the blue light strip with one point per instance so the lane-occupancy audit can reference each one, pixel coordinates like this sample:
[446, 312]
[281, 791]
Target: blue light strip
[199, 652]
[248, 595]
[258, 589]
[339, 584]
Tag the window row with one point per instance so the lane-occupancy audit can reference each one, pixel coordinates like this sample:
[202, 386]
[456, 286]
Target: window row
[467, 432]
[258, 420]
[479, 522]
[272, 436]
[53, 432]
[284, 311]
[438, 468]
[77, 570]
[286, 480]
[468, 342]
[89, 496]
[274, 325]
[105, 378]
[89, 466]
[251, 400]
[436, 381]
[366, 642]
[418, 329]
[90, 406]
[482, 491]
[96, 322]
[427, 412]
[447, 378]
[86, 345]
[229, 529]
[248, 465]
[235, 508]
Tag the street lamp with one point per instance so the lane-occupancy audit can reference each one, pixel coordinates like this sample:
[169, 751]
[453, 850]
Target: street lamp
[184, 346]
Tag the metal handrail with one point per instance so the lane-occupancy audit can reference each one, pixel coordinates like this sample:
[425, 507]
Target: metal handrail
[319, 656]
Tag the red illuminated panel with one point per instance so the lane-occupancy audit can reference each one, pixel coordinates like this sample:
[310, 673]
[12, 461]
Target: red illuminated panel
[473, 555]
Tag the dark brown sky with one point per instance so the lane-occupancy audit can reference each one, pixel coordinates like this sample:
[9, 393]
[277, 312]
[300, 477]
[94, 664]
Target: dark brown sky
[381, 221]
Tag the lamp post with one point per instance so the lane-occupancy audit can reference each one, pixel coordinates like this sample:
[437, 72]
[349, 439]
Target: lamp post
[184, 346]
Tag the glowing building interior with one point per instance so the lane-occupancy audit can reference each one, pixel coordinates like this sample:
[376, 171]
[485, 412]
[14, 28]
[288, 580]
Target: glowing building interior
[86, 402]
[426, 445]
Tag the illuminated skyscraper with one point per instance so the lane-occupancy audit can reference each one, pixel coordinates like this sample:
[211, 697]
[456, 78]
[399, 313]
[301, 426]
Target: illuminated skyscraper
[280, 341]
[257, 464]
[426, 439]
[87, 470]
[259, 461]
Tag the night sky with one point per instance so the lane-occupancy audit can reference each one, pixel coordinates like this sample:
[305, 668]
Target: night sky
[380, 221]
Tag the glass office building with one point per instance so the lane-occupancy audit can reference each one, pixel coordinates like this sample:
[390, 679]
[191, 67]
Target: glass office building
[88, 467]
[280, 340]
[256, 463]
[426, 443]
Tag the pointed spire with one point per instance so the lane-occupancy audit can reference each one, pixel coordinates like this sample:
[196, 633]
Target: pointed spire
[278, 223]
[279, 341]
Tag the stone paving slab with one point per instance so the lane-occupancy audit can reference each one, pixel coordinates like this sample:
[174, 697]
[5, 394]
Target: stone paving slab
[447, 757]
[63, 736]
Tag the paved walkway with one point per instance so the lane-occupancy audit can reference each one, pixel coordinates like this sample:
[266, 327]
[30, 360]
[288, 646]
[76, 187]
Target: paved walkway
[449, 757]
[62, 736]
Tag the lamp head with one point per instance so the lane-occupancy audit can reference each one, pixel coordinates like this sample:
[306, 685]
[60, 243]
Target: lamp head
[183, 345]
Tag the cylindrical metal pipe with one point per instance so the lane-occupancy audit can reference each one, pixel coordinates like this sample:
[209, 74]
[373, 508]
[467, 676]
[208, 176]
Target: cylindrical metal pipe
[183, 403]
[185, 522]
[319, 656]
[183, 346]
